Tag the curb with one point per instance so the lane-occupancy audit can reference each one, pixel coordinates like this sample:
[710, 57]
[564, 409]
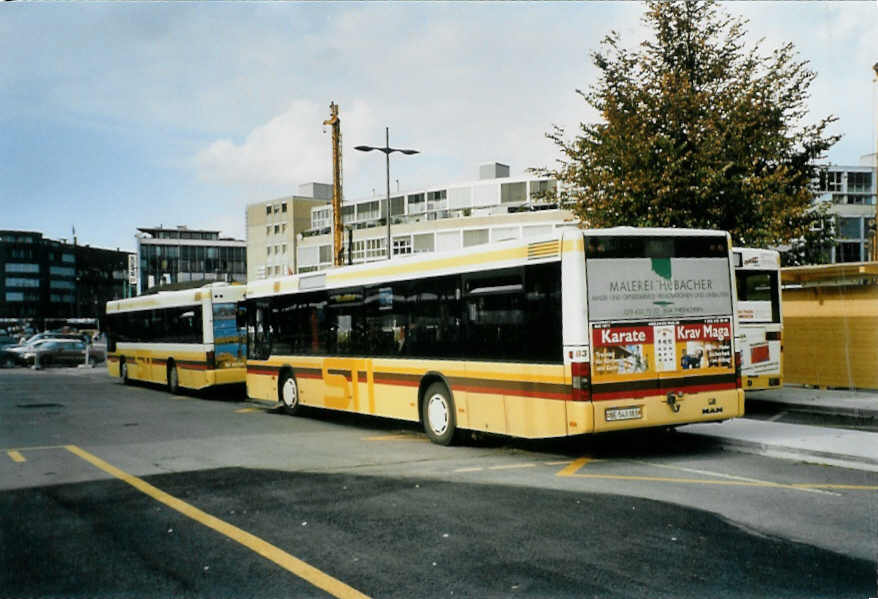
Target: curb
[823, 458]
[769, 405]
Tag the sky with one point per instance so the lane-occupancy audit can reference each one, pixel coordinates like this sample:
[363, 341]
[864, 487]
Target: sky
[115, 116]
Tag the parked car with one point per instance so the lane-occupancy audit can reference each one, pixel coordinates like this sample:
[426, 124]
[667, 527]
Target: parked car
[14, 354]
[61, 351]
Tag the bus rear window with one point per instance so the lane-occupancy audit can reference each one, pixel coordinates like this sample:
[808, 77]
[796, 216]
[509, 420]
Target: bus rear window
[758, 295]
[656, 247]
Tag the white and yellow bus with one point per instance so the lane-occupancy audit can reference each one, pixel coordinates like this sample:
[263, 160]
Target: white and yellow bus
[192, 338]
[757, 273]
[580, 332]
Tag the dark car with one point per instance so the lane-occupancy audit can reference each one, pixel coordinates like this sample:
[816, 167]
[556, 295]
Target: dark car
[69, 352]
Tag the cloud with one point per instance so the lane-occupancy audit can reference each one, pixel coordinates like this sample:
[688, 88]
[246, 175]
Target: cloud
[290, 149]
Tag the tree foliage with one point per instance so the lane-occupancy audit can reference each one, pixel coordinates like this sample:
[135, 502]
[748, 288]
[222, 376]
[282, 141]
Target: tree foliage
[696, 130]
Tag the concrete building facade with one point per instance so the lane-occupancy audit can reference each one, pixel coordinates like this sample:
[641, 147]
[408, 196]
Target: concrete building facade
[273, 228]
[181, 255]
[850, 192]
[496, 207]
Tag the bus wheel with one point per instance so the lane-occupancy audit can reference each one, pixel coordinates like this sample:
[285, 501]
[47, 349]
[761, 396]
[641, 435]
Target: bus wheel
[173, 379]
[123, 372]
[288, 394]
[438, 413]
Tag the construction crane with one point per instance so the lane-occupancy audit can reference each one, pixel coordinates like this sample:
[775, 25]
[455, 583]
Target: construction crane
[334, 122]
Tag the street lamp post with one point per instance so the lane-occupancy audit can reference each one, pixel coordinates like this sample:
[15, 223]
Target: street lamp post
[387, 152]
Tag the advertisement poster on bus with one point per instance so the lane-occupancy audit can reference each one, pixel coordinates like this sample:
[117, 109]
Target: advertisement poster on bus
[650, 288]
[636, 351]
[229, 342]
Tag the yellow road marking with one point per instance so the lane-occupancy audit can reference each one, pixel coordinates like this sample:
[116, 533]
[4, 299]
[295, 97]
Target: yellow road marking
[309, 573]
[574, 466]
[248, 410]
[34, 448]
[560, 463]
[832, 486]
[727, 476]
[511, 466]
[474, 469]
[15, 456]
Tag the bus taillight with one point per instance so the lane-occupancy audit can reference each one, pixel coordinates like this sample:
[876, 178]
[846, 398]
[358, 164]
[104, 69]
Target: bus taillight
[738, 368]
[580, 372]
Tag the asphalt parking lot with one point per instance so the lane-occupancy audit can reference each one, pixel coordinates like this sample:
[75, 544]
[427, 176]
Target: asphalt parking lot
[129, 491]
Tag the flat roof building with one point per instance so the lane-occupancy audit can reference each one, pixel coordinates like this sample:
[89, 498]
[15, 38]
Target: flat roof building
[168, 256]
[851, 192]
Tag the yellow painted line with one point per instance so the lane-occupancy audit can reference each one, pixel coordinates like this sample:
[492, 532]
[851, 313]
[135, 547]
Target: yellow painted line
[34, 448]
[15, 456]
[309, 573]
[248, 410]
[473, 469]
[832, 486]
[561, 463]
[722, 475]
[512, 466]
[395, 438]
[574, 466]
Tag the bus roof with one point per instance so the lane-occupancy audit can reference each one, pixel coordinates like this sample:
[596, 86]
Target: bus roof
[756, 258]
[504, 254]
[185, 297]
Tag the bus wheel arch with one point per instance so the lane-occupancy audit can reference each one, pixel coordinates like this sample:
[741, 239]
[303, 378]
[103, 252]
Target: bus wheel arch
[436, 409]
[172, 377]
[288, 391]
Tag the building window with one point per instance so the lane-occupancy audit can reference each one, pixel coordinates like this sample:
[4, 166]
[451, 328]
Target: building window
[284, 246]
[425, 242]
[276, 208]
[68, 258]
[402, 245]
[276, 229]
[375, 248]
[22, 267]
[283, 207]
[416, 203]
[14, 296]
[268, 230]
[22, 282]
[848, 251]
[513, 192]
[542, 190]
[325, 254]
[53, 284]
[859, 182]
[475, 237]
[368, 211]
[437, 200]
[397, 206]
[849, 228]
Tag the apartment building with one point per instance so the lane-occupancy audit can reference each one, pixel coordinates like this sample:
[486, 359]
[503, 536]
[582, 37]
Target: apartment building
[850, 191]
[273, 228]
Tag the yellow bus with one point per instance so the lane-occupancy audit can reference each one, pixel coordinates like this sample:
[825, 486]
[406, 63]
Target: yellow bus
[580, 332]
[188, 338]
[757, 275]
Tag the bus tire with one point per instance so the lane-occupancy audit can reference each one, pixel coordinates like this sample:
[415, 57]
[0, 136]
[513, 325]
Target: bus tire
[173, 379]
[288, 393]
[123, 371]
[438, 412]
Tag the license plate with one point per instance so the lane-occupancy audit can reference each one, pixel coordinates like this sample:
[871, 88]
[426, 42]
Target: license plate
[614, 414]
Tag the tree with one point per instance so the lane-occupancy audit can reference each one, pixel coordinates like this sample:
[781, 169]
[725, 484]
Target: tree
[695, 131]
